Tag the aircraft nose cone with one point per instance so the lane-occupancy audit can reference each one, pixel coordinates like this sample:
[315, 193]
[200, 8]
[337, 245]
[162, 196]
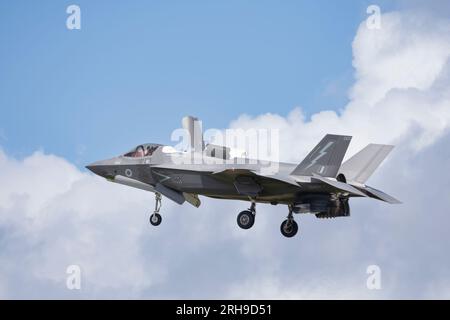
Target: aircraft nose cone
[103, 168]
[91, 167]
[100, 168]
[95, 168]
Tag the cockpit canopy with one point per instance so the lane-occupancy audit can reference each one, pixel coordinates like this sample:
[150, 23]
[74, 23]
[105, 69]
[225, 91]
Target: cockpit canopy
[143, 150]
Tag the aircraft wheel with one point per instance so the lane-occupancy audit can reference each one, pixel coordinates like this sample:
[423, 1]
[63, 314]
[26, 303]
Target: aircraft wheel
[155, 219]
[246, 219]
[289, 228]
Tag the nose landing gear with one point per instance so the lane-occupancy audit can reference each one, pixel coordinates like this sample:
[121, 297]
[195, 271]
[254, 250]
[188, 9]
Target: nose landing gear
[155, 217]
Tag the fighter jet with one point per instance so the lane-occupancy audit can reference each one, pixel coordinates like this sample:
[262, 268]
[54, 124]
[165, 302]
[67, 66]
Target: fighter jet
[319, 185]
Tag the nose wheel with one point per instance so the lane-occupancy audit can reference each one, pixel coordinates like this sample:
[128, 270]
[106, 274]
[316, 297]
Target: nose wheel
[155, 217]
[246, 219]
[289, 227]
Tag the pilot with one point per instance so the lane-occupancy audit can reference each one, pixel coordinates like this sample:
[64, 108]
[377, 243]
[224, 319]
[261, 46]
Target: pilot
[148, 151]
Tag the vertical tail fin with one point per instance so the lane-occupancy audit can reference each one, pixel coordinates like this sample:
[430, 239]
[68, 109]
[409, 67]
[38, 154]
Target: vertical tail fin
[362, 165]
[326, 158]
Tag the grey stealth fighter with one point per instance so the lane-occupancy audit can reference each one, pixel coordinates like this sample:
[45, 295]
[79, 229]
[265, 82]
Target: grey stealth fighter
[319, 185]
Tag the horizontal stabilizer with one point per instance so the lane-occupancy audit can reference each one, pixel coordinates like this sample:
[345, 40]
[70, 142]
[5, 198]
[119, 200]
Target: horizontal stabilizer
[362, 165]
[374, 193]
[326, 158]
[340, 186]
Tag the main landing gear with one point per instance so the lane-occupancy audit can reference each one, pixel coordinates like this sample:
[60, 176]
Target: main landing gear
[289, 227]
[155, 217]
[246, 219]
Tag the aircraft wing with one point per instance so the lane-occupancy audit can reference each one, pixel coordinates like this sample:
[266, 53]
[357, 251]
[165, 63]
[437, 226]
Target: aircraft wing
[279, 177]
[251, 182]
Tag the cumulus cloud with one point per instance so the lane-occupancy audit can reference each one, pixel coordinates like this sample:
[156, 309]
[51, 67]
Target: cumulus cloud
[53, 215]
[401, 94]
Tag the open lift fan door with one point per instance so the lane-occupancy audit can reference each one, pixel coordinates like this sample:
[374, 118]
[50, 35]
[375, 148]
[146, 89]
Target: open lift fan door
[247, 186]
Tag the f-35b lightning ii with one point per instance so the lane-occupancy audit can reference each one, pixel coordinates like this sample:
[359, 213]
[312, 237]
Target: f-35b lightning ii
[319, 185]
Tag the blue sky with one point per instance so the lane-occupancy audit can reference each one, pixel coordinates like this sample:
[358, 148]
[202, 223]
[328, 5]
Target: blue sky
[135, 68]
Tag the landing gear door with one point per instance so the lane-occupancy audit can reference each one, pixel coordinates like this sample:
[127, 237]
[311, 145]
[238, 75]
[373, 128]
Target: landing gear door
[247, 186]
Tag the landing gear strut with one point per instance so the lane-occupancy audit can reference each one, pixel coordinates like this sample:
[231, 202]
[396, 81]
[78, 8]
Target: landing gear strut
[289, 227]
[155, 218]
[246, 219]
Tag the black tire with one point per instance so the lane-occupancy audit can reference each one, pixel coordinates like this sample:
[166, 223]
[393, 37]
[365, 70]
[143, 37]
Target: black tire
[155, 219]
[246, 219]
[289, 228]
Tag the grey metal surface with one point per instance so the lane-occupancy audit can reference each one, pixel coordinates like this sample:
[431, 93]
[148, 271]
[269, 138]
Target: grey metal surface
[362, 165]
[340, 186]
[326, 158]
[170, 193]
[193, 126]
[377, 194]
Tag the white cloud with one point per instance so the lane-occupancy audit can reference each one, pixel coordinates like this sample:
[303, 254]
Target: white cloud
[401, 94]
[53, 216]
[269, 287]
